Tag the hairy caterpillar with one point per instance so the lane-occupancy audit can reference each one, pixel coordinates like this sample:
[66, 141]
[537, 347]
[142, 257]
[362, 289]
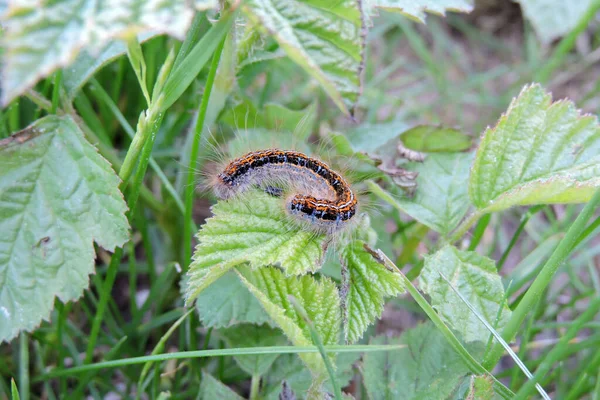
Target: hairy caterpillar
[319, 195]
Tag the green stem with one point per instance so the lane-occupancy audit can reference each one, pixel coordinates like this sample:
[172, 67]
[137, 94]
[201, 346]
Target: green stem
[464, 227]
[24, 366]
[56, 91]
[543, 279]
[255, 387]
[189, 189]
[524, 219]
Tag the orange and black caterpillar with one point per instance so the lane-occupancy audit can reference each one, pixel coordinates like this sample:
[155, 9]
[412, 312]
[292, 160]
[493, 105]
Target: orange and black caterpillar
[319, 195]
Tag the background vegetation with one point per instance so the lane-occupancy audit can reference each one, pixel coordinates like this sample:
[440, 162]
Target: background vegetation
[110, 113]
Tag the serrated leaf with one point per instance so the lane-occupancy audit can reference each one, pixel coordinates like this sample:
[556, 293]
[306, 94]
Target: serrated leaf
[435, 139]
[324, 38]
[248, 335]
[479, 387]
[211, 388]
[41, 38]
[57, 196]
[427, 369]
[539, 152]
[227, 302]
[477, 280]
[416, 9]
[288, 367]
[252, 228]
[552, 19]
[370, 283]
[320, 299]
[441, 199]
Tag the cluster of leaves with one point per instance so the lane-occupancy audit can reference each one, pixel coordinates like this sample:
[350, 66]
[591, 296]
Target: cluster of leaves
[257, 279]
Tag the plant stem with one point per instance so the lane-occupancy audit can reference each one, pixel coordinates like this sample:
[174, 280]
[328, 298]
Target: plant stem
[255, 387]
[465, 225]
[56, 91]
[24, 366]
[542, 281]
[189, 189]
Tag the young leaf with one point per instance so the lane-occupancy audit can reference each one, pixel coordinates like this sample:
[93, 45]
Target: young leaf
[320, 299]
[427, 369]
[211, 388]
[248, 335]
[57, 196]
[324, 38]
[552, 19]
[370, 283]
[288, 367]
[416, 9]
[227, 302]
[252, 228]
[441, 199]
[435, 139]
[539, 152]
[475, 277]
[41, 38]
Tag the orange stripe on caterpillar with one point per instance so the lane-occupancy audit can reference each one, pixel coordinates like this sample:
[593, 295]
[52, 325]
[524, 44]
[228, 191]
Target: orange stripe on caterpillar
[322, 196]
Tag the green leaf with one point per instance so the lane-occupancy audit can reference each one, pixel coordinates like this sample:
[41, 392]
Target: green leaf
[227, 302]
[324, 38]
[39, 39]
[288, 367]
[435, 139]
[86, 64]
[370, 283]
[477, 280]
[441, 199]
[416, 9]
[368, 138]
[248, 335]
[552, 19]
[211, 388]
[320, 299]
[253, 228]
[57, 196]
[427, 369]
[539, 152]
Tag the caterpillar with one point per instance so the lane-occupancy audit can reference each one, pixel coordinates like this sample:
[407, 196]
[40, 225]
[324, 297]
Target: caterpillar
[320, 196]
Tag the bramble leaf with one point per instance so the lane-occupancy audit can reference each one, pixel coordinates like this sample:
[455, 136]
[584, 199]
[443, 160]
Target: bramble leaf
[416, 9]
[57, 196]
[539, 152]
[477, 280]
[211, 388]
[289, 368]
[427, 369]
[252, 228]
[227, 302]
[320, 299]
[249, 335]
[324, 38]
[370, 283]
[38, 39]
[441, 199]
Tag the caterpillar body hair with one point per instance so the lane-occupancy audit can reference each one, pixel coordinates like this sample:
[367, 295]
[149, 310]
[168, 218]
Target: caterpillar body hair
[316, 194]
